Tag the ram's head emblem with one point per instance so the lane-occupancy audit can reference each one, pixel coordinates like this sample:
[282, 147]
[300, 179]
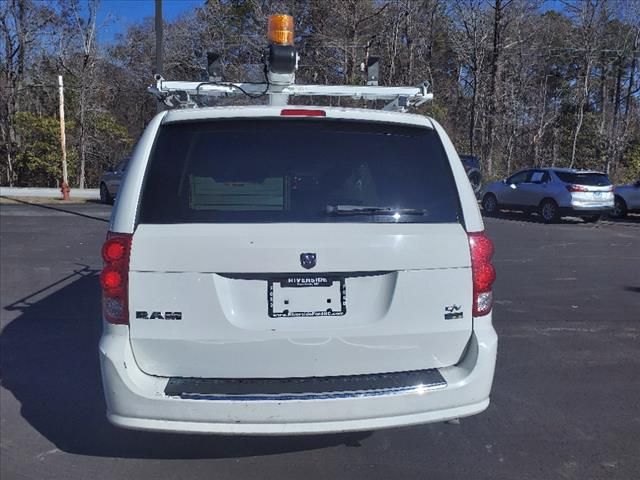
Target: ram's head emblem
[308, 260]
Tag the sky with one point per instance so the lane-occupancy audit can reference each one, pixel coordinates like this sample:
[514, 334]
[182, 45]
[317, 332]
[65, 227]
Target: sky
[114, 16]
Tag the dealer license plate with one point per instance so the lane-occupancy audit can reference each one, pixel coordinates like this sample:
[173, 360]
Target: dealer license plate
[307, 296]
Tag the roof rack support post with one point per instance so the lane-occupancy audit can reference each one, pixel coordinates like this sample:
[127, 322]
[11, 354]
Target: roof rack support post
[278, 99]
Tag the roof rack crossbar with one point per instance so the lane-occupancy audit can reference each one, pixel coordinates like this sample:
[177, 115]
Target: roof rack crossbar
[178, 94]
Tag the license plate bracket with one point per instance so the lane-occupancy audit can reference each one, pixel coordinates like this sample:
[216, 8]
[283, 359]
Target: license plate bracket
[306, 296]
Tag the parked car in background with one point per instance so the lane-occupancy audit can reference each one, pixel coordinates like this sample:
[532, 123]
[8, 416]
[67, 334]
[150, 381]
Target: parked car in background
[552, 193]
[627, 199]
[472, 167]
[110, 182]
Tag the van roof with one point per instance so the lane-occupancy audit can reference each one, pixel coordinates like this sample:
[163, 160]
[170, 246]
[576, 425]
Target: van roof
[253, 111]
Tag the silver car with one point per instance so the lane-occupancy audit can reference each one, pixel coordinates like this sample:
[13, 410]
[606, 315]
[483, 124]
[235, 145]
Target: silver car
[627, 199]
[110, 182]
[552, 193]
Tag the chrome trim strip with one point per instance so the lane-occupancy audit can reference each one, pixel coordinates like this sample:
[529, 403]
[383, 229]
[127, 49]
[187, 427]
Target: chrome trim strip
[305, 388]
[415, 389]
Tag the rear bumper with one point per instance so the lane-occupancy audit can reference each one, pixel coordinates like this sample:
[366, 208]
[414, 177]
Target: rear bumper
[586, 210]
[579, 206]
[137, 400]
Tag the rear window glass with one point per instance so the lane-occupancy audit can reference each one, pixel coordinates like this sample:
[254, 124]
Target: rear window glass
[297, 170]
[589, 179]
[537, 176]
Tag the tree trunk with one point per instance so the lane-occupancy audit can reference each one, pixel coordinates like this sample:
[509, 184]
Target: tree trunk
[9, 167]
[612, 140]
[493, 82]
[472, 119]
[83, 139]
[537, 138]
[632, 74]
[584, 92]
[605, 160]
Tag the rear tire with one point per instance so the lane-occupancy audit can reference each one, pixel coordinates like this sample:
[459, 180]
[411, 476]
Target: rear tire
[549, 211]
[619, 208]
[105, 196]
[490, 204]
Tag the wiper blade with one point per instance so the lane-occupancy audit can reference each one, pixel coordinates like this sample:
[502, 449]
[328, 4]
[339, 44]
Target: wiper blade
[373, 210]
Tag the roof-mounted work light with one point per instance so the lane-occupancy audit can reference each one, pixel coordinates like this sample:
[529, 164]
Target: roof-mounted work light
[281, 57]
[280, 30]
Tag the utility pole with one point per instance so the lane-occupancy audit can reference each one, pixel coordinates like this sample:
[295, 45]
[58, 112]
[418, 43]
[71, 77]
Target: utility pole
[64, 188]
[159, 44]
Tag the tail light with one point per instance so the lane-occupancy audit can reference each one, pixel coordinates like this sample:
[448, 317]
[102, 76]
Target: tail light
[483, 273]
[114, 278]
[577, 188]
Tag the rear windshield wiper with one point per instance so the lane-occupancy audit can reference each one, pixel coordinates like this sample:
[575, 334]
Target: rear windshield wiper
[373, 210]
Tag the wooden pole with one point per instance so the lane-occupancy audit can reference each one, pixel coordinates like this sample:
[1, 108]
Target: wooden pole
[63, 143]
[159, 44]
[159, 39]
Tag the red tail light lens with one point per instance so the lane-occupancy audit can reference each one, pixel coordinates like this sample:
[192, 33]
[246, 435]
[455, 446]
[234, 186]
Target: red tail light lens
[483, 273]
[114, 250]
[114, 278]
[302, 112]
[111, 280]
[577, 188]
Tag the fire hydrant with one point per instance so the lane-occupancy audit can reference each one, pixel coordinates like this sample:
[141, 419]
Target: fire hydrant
[65, 190]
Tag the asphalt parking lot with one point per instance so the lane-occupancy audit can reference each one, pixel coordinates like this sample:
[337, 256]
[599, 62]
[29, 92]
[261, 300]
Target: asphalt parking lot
[564, 402]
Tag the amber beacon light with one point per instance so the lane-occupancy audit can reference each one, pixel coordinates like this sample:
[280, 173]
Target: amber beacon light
[280, 30]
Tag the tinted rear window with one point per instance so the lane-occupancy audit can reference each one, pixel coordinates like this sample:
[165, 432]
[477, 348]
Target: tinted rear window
[292, 170]
[589, 179]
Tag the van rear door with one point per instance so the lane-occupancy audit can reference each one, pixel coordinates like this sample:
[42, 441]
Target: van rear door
[281, 247]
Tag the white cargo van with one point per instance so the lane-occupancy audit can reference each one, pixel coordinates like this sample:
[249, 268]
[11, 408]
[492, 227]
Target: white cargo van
[276, 270]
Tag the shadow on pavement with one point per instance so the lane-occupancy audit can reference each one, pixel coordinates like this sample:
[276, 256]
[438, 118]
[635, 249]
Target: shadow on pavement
[59, 209]
[50, 364]
[631, 218]
[527, 218]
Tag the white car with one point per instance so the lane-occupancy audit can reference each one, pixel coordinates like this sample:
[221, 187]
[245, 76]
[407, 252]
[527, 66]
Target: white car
[627, 199]
[283, 271]
[110, 182]
[552, 193]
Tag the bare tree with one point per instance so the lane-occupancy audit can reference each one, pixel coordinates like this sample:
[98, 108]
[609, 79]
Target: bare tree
[470, 45]
[23, 24]
[78, 58]
[589, 23]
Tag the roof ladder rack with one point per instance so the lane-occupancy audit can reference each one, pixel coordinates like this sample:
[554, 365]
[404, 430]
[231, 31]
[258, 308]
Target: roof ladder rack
[280, 66]
[178, 94]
